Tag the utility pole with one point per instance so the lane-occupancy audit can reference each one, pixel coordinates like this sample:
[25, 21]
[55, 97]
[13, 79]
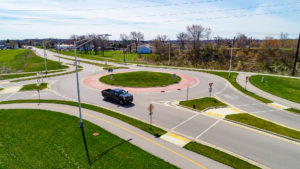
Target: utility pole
[230, 58]
[296, 58]
[169, 53]
[45, 56]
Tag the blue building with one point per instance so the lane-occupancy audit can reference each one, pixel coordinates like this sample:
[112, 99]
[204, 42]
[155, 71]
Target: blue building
[144, 50]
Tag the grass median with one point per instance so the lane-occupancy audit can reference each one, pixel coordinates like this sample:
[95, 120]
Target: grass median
[264, 124]
[34, 87]
[287, 88]
[293, 110]
[134, 122]
[233, 81]
[219, 156]
[140, 79]
[202, 103]
[46, 139]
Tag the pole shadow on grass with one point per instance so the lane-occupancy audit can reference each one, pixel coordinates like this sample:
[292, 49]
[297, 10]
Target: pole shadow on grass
[98, 157]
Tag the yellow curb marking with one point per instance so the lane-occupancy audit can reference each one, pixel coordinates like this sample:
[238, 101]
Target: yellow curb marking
[162, 146]
[276, 106]
[214, 114]
[235, 110]
[178, 137]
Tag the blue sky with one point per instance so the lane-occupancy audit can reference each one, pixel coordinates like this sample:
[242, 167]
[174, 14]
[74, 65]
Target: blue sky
[21, 19]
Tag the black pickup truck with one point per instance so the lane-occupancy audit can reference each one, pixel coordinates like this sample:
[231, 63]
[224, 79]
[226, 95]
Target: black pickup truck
[119, 95]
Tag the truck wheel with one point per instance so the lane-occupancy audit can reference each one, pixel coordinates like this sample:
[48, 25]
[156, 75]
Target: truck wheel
[105, 97]
[121, 102]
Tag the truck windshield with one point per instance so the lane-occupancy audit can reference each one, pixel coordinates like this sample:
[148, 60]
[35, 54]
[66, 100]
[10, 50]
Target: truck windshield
[121, 92]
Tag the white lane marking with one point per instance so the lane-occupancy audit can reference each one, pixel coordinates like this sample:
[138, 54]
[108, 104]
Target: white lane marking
[8, 96]
[264, 111]
[215, 123]
[188, 119]
[241, 105]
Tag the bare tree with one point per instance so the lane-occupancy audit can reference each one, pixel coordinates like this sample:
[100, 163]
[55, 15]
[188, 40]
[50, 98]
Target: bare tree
[161, 46]
[136, 37]
[241, 41]
[283, 39]
[103, 41]
[182, 38]
[195, 32]
[125, 42]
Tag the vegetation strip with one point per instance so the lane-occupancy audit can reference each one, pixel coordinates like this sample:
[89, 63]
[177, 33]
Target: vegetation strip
[137, 123]
[251, 120]
[219, 156]
[287, 88]
[293, 110]
[83, 61]
[34, 87]
[140, 79]
[202, 103]
[51, 75]
[36, 138]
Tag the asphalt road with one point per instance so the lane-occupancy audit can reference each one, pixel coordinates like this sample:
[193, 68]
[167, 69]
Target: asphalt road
[268, 150]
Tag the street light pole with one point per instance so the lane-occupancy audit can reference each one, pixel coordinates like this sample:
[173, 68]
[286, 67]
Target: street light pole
[79, 105]
[169, 53]
[230, 59]
[296, 57]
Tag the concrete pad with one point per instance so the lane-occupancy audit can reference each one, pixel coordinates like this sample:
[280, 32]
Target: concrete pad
[278, 106]
[221, 112]
[14, 89]
[175, 139]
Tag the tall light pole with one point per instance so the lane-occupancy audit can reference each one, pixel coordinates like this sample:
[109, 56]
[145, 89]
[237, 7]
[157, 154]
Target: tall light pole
[296, 57]
[230, 58]
[45, 56]
[78, 91]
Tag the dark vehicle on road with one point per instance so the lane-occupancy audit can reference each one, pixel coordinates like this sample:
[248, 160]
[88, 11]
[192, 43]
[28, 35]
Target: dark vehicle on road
[118, 95]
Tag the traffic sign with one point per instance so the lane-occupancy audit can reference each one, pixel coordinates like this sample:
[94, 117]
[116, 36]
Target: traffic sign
[210, 84]
[111, 77]
[110, 70]
[247, 79]
[174, 75]
[150, 108]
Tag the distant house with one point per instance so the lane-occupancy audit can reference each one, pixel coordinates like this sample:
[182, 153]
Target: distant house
[144, 50]
[2, 47]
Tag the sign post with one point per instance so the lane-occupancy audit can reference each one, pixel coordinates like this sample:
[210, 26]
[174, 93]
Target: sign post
[150, 108]
[210, 88]
[174, 75]
[246, 82]
[187, 93]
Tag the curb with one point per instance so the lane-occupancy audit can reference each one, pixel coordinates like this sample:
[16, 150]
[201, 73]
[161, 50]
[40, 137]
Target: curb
[266, 131]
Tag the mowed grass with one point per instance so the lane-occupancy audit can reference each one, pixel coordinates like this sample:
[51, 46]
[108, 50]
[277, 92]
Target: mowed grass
[202, 103]
[156, 131]
[34, 87]
[115, 56]
[264, 124]
[287, 88]
[23, 60]
[293, 110]
[140, 79]
[32, 138]
[233, 81]
[219, 156]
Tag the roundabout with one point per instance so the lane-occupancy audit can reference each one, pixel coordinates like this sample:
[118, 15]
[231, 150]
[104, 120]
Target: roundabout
[141, 81]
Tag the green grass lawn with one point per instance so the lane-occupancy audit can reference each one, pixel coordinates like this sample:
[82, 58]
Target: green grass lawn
[44, 139]
[219, 156]
[287, 88]
[140, 79]
[202, 103]
[116, 67]
[134, 122]
[115, 56]
[23, 60]
[1, 88]
[233, 81]
[293, 110]
[34, 87]
[263, 124]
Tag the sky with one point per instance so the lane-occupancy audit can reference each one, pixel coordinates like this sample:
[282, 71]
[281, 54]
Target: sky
[26, 19]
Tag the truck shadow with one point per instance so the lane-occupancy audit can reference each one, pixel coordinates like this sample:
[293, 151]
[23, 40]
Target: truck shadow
[120, 105]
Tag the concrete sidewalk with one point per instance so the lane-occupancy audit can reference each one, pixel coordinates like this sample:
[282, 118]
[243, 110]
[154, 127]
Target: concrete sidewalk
[241, 80]
[156, 146]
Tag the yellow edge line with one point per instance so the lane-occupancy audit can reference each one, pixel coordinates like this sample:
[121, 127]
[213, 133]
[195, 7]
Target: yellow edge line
[164, 147]
[178, 137]
[214, 114]
[235, 110]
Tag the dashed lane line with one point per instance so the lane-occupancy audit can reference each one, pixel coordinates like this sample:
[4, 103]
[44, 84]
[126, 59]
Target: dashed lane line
[141, 136]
